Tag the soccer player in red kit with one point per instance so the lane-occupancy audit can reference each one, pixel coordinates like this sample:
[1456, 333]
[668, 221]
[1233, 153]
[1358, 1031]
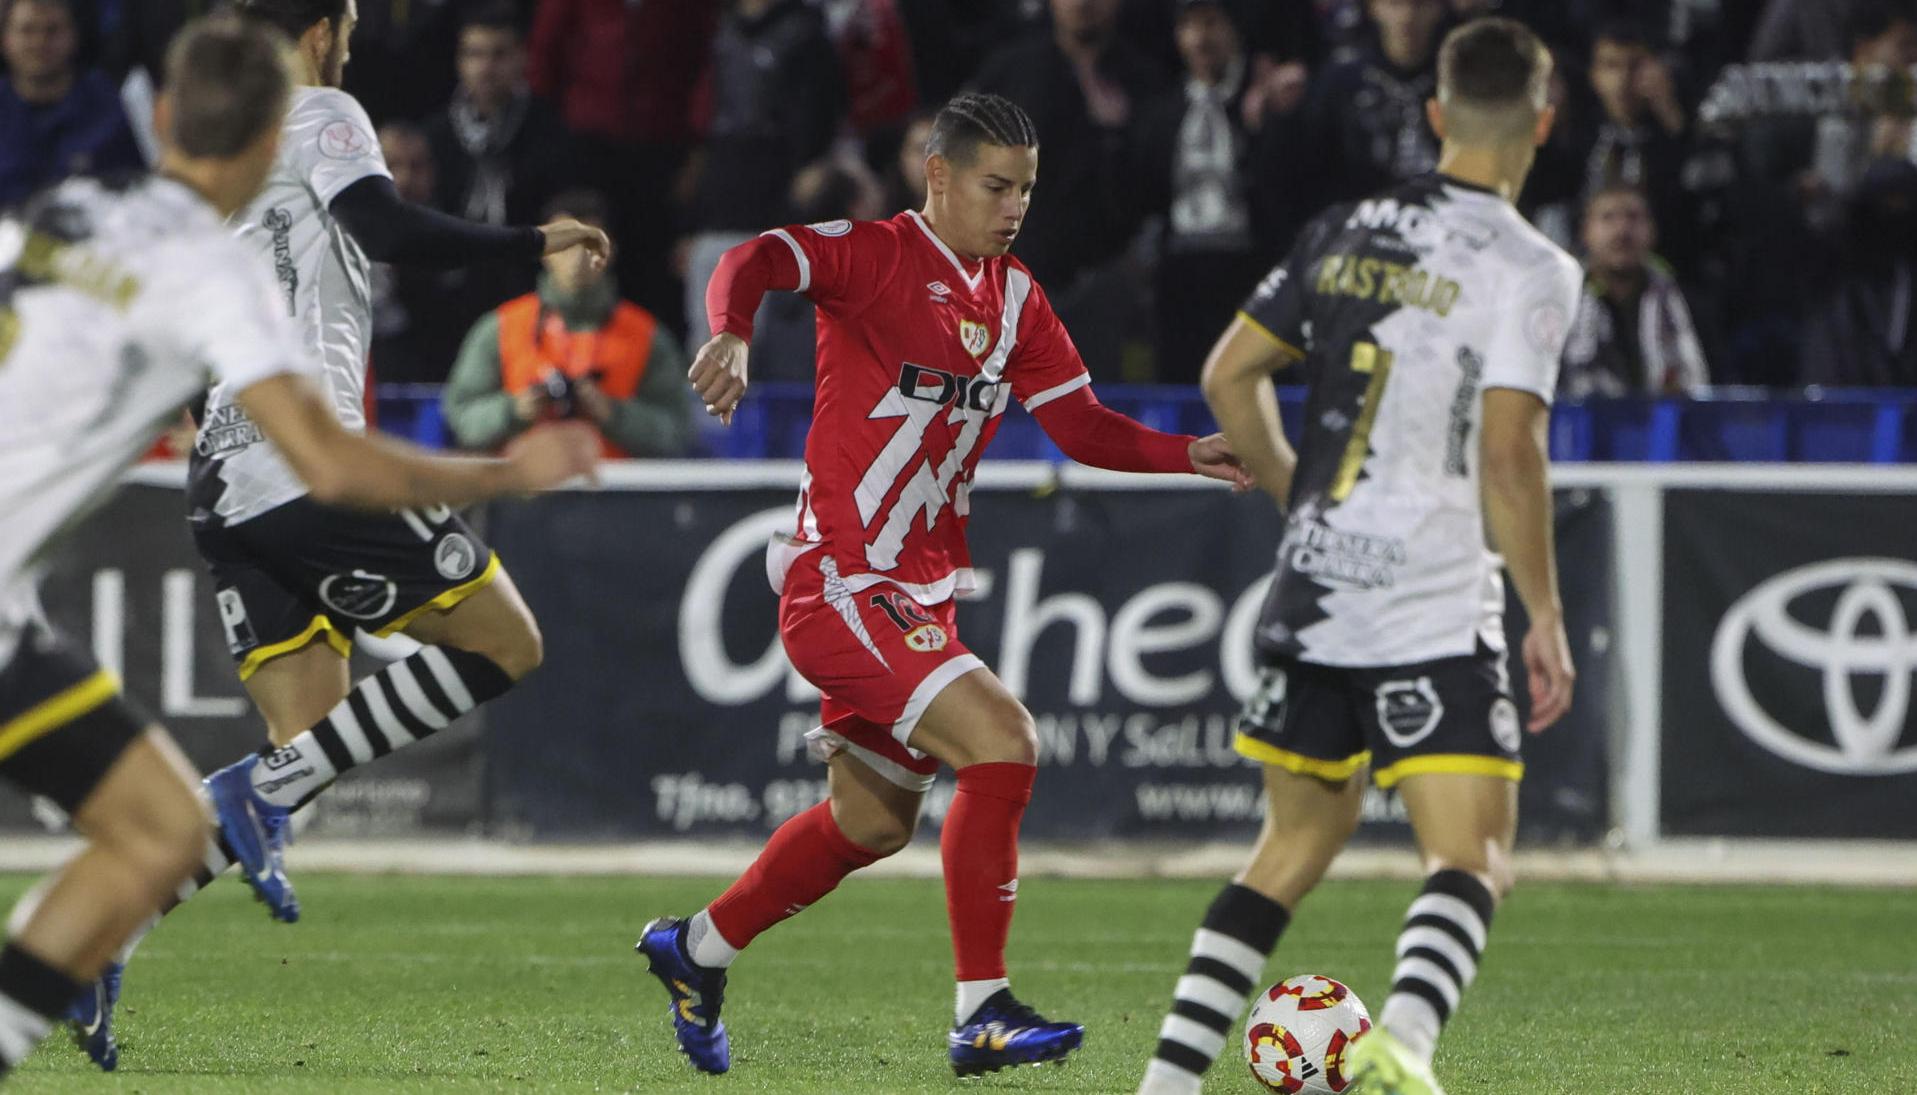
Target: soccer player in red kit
[927, 329]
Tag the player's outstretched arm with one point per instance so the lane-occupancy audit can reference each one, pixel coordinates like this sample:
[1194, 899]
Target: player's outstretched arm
[393, 230]
[1097, 436]
[381, 473]
[1515, 481]
[1237, 386]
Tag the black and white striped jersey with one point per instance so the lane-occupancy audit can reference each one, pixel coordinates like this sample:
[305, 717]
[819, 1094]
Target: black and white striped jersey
[1403, 309]
[120, 301]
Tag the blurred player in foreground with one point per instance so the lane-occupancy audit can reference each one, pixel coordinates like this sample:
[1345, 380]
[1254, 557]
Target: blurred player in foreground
[119, 302]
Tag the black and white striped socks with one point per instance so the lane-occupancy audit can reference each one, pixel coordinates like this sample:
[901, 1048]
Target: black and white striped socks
[1228, 955]
[1438, 951]
[33, 996]
[405, 702]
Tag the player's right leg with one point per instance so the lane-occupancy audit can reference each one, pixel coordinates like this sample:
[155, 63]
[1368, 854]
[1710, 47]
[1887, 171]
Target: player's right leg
[66, 735]
[870, 654]
[291, 585]
[293, 689]
[1465, 825]
[1299, 725]
[981, 730]
[868, 815]
[422, 573]
[293, 680]
[291, 657]
[1445, 735]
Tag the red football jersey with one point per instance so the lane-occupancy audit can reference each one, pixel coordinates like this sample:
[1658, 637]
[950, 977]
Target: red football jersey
[918, 354]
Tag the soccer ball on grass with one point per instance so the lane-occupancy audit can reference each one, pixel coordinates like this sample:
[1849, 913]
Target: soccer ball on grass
[1299, 1035]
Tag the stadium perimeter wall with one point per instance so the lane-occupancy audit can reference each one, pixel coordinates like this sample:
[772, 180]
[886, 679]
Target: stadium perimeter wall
[1743, 634]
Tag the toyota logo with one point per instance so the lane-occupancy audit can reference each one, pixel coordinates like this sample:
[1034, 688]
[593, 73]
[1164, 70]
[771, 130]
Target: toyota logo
[1865, 744]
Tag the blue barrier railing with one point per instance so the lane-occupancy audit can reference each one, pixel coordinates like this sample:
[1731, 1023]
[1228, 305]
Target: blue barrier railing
[1867, 426]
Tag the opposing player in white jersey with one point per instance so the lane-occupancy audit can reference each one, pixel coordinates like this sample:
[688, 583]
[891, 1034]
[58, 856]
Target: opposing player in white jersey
[295, 578]
[119, 302]
[1428, 323]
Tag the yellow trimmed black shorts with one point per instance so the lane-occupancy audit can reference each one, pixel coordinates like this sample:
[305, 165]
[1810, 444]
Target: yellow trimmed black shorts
[1449, 715]
[63, 722]
[303, 573]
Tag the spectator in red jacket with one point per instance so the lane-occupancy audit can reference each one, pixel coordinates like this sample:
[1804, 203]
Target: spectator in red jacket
[622, 76]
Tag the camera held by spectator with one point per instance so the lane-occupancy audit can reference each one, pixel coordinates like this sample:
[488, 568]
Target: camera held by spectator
[559, 396]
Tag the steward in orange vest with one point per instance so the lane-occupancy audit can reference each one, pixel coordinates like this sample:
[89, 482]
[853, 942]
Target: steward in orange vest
[572, 349]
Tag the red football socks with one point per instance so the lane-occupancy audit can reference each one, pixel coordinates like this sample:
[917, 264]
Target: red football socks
[980, 848]
[806, 859]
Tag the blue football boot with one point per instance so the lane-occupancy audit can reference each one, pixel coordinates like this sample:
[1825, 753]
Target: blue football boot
[255, 831]
[697, 994]
[92, 1018]
[1004, 1032]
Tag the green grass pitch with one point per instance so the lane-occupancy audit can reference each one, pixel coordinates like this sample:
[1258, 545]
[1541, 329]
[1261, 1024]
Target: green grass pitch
[407, 984]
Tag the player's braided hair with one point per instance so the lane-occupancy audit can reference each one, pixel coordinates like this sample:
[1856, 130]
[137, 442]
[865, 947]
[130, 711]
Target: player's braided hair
[293, 17]
[972, 119]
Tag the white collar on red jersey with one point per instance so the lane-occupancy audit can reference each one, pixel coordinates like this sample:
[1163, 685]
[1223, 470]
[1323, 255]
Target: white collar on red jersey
[971, 280]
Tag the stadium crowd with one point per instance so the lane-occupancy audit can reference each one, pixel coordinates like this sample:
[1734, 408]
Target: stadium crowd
[1184, 144]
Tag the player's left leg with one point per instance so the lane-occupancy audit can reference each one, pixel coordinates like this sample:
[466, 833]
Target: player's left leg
[1465, 825]
[1448, 739]
[868, 815]
[1300, 725]
[981, 730]
[865, 818]
[1308, 819]
[424, 573]
[474, 651]
[292, 691]
[1445, 734]
[320, 728]
[65, 734]
[145, 827]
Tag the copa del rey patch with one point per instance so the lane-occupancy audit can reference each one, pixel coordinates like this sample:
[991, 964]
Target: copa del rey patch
[975, 337]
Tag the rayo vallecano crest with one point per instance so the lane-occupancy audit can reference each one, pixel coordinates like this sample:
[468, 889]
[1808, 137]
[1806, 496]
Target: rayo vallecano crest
[975, 337]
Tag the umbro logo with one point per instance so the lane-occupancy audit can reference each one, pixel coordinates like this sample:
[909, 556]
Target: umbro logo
[939, 290]
[1008, 891]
